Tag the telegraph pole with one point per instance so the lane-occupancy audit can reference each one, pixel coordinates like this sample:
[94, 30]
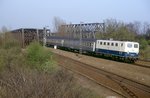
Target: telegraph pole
[44, 36]
[37, 35]
[23, 39]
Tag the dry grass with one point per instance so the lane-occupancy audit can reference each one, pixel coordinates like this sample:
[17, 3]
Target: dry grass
[27, 83]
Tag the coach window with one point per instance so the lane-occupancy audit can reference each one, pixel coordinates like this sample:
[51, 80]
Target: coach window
[112, 44]
[116, 44]
[87, 44]
[90, 44]
[83, 44]
[104, 43]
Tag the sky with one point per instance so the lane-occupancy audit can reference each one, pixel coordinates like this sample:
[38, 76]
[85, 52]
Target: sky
[16, 14]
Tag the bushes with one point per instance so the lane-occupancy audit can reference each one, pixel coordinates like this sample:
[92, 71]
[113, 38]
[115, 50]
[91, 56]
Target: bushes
[148, 42]
[144, 48]
[39, 57]
[9, 51]
[33, 73]
[145, 53]
[143, 44]
[27, 83]
[10, 57]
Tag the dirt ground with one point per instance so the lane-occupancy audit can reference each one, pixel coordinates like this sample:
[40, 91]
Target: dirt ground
[136, 73]
[98, 89]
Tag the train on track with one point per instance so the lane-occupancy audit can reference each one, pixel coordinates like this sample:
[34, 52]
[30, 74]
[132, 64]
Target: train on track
[125, 50]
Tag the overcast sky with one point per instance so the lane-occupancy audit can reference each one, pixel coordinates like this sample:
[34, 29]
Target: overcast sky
[38, 13]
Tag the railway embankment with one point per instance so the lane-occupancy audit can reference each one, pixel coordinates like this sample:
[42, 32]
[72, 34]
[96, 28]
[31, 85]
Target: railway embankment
[139, 74]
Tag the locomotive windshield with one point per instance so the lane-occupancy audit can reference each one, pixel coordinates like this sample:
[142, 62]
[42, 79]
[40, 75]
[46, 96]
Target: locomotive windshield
[129, 45]
[135, 45]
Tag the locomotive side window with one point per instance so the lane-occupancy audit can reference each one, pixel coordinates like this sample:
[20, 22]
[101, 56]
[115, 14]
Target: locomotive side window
[104, 43]
[135, 45]
[116, 44]
[108, 43]
[129, 45]
[112, 44]
[101, 43]
[121, 44]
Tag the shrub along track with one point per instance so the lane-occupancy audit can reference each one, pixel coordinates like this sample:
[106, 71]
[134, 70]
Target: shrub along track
[122, 86]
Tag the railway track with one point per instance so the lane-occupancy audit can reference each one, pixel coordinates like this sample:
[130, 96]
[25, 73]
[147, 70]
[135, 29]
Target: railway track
[123, 86]
[142, 63]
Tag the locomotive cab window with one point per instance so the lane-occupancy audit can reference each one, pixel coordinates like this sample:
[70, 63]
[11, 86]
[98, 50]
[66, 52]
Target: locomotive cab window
[135, 45]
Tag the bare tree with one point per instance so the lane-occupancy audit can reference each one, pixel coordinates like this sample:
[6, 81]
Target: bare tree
[4, 29]
[119, 30]
[57, 23]
[146, 30]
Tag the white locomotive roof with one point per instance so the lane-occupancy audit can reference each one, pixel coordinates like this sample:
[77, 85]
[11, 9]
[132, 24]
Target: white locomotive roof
[117, 41]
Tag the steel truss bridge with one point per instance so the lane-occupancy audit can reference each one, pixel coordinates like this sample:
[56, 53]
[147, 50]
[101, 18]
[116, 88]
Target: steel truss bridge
[87, 30]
